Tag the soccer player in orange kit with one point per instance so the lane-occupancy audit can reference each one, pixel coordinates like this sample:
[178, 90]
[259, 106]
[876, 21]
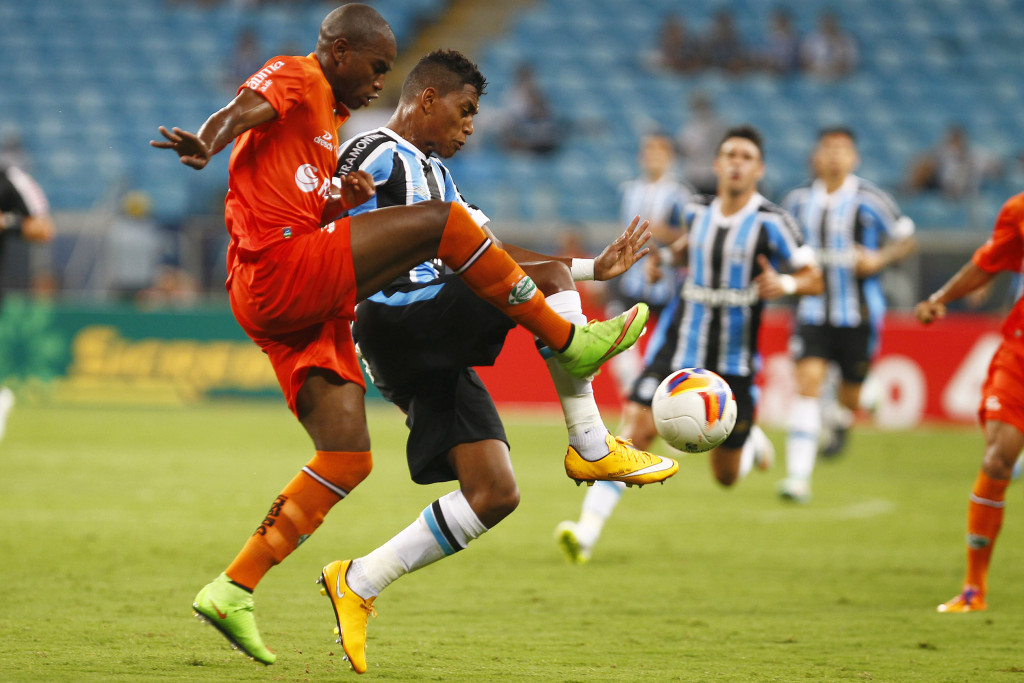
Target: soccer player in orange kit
[293, 284]
[1002, 398]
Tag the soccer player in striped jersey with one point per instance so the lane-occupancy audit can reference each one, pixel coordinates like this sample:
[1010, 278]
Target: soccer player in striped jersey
[660, 198]
[422, 334]
[856, 230]
[734, 242]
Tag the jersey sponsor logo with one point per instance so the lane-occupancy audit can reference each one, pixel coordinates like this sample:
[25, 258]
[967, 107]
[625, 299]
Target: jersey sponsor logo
[352, 152]
[324, 140]
[715, 298]
[261, 76]
[837, 258]
[307, 177]
[522, 291]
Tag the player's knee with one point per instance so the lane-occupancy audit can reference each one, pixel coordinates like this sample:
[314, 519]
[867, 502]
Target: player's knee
[494, 503]
[551, 276]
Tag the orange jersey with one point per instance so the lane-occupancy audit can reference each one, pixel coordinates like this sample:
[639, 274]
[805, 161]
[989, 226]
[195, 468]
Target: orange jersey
[1005, 251]
[280, 172]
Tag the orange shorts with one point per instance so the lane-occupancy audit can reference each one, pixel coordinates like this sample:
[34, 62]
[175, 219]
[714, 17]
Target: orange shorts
[297, 302]
[1002, 395]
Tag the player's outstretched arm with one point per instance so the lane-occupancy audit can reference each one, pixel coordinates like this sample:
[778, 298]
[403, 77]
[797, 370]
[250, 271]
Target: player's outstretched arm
[966, 280]
[248, 110]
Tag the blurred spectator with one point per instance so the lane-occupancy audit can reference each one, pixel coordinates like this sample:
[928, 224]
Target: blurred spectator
[678, 51]
[781, 53]
[528, 124]
[135, 248]
[723, 47]
[954, 167]
[12, 152]
[171, 287]
[246, 59]
[828, 52]
[697, 140]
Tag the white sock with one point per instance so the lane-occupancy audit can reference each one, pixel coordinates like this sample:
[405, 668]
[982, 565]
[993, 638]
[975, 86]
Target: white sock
[598, 506]
[587, 431]
[802, 440]
[445, 527]
[747, 455]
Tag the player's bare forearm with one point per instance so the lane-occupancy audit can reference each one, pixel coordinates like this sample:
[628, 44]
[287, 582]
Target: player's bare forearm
[966, 280]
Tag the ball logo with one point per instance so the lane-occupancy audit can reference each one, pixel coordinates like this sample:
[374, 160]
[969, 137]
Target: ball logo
[306, 177]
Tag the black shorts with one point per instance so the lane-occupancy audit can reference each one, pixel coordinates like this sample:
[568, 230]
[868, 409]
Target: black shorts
[851, 348]
[419, 349]
[742, 388]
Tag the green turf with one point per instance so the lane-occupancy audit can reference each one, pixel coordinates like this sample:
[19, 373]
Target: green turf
[113, 519]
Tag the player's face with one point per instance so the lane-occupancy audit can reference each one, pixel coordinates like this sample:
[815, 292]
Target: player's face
[835, 156]
[450, 121]
[738, 166]
[656, 156]
[358, 76]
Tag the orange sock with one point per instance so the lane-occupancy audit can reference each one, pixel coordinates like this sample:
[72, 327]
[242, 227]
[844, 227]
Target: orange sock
[493, 275]
[984, 518]
[298, 511]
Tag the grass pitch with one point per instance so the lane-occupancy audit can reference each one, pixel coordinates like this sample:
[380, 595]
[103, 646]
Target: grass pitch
[114, 518]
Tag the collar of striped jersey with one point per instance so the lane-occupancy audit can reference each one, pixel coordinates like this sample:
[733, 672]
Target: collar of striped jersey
[848, 188]
[720, 220]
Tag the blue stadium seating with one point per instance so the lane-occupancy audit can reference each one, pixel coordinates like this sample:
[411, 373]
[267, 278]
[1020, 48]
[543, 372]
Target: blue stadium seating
[136, 64]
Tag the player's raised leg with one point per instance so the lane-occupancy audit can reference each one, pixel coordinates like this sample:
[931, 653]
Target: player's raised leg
[594, 454]
[387, 242]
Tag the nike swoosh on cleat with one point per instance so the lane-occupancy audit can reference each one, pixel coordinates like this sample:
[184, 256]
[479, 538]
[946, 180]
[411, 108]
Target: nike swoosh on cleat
[661, 465]
[220, 614]
[622, 335]
[337, 591]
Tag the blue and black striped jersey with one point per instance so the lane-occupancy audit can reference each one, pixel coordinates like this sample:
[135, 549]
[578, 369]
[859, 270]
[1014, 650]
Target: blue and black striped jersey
[858, 213]
[720, 309]
[660, 202]
[403, 175]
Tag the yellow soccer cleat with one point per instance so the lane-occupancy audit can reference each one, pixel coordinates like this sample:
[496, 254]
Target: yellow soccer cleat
[970, 600]
[350, 611]
[623, 463]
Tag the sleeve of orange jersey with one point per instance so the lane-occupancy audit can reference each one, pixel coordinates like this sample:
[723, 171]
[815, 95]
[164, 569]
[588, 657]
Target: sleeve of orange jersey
[1005, 248]
[282, 81]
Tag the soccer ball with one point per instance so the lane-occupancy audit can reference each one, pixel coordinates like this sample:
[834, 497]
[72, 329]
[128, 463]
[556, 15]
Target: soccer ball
[694, 410]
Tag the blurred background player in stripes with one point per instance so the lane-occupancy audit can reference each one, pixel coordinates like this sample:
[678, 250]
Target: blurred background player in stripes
[856, 230]
[734, 241]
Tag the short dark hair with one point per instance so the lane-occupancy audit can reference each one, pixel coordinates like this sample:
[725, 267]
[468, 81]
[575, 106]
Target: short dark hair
[837, 130]
[746, 132]
[445, 70]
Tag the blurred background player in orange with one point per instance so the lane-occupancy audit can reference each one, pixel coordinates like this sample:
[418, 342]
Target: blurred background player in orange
[24, 213]
[293, 286]
[1002, 398]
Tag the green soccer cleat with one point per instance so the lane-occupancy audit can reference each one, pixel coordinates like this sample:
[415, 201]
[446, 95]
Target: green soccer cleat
[229, 608]
[597, 341]
[350, 611]
[565, 537]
